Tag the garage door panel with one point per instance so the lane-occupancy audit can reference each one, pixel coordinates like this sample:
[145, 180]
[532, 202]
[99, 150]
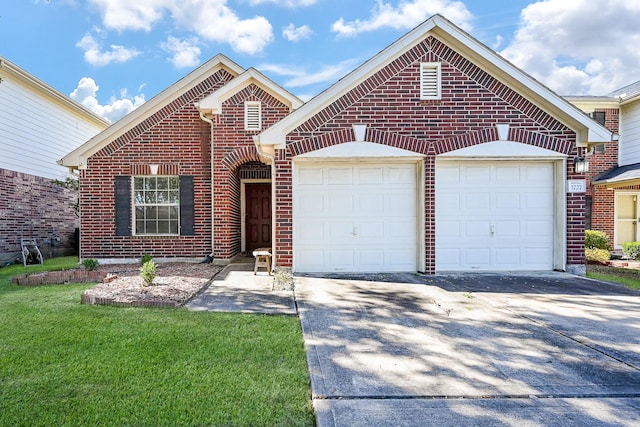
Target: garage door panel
[364, 218]
[506, 218]
[339, 176]
[310, 176]
[477, 201]
[370, 176]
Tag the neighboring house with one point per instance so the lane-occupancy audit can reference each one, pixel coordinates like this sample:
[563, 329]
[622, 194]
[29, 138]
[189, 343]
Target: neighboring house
[614, 168]
[37, 126]
[434, 155]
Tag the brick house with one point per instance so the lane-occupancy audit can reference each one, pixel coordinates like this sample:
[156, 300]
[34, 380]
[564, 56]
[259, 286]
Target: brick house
[434, 155]
[614, 167]
[38, 124]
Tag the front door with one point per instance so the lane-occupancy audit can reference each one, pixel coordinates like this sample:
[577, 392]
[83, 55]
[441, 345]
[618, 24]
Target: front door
[626, 218]
[258, 215]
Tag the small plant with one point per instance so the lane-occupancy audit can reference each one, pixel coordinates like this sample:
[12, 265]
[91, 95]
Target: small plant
[594, 255]
[148, 272]
[594, 239]
[145, 258]
[90, 264]
[631, 250]
[283, 280]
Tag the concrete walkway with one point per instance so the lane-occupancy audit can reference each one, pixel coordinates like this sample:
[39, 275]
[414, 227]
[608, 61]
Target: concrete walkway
[471, 350]
[237, 290]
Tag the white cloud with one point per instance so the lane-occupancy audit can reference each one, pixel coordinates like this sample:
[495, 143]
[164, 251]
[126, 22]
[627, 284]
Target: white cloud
[579, 47]
[86, 94]
[300, 78]
[286, 3]
[293, 34]
[406, 15]
[186, 53]
[94, 56]
[212, 20]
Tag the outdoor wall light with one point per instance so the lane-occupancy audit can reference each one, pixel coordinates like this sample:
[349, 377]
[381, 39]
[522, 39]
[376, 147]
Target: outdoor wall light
[580, 165]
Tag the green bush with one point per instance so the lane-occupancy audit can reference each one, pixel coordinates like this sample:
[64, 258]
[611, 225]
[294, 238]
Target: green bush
[90, 264]
[145, 258]
[596, 240]
[597, 255]
[631, 250]
[148, 272]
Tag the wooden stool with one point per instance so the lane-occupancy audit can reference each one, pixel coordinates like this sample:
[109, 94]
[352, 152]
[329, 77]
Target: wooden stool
[263, 259]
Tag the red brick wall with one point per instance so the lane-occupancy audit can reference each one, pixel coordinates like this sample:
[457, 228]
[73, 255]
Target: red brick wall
[389, 103]
[179, 141]
[234, 147]
[33, 207]
[603, 199]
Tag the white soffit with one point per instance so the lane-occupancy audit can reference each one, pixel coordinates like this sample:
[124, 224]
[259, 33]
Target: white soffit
[502, 150]
[360, 150]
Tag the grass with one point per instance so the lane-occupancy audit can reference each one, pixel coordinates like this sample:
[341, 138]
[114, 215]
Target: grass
[626, 276]
[63, 363]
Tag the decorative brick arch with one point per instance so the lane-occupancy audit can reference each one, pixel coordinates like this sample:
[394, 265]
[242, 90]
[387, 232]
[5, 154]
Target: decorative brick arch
[563, 146]
[239, 156]
[341, 136]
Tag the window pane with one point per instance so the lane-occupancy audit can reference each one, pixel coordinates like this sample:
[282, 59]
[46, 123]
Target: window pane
[174, 211]
[163, 227]
[173, 227]
[152, 227]
[174, 183]
[138, 183]
[151, 212]
[163, 212]
[140, 227]
[150, 197]
[153, 183]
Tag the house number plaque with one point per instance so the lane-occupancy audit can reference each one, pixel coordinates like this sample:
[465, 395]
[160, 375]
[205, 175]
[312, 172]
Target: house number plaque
[576, 186]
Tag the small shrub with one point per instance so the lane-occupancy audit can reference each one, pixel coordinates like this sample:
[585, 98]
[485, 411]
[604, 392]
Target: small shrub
[90, 264]
[631, 250]
[148, 272]
[597, 255]
[145, 258]
[596, 240]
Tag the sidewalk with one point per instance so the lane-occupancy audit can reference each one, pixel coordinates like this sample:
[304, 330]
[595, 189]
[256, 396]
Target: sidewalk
[237, 290]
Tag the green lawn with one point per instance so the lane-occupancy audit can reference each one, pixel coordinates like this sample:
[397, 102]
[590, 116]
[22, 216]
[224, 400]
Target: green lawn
[63, 363]
[629, 282]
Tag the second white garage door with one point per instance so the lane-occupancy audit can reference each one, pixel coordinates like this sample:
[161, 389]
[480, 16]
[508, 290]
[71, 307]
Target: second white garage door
[494, 216]
[354, 218]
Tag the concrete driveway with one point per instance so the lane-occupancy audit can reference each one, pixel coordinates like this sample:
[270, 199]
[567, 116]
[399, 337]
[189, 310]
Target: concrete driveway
[471, 350]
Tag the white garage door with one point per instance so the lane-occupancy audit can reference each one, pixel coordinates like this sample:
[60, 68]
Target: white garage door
[354, 218]
[494, 216]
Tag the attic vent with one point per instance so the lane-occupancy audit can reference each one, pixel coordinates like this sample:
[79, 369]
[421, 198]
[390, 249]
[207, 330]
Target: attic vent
[599, 116]
[252, 116]
[430, 80]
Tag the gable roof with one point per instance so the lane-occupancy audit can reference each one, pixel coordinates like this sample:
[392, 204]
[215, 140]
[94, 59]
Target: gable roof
[78, 157]
[586, 129]
[212, 104]
[44, 90]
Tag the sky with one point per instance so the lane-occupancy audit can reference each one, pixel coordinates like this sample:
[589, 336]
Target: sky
[113, 55]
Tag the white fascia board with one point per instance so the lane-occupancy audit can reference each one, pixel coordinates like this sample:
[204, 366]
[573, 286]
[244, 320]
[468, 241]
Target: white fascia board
[589, 104]
[47, 91]
[212, 104]
[78, 157]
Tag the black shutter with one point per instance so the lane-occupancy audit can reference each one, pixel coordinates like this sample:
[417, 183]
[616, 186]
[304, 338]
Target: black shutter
[187, 227]
[123, 206]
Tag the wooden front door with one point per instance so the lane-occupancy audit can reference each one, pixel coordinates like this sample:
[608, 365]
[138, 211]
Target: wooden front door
[258, 216]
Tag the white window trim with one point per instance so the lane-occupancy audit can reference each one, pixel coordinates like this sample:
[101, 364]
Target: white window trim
[134, 205]
[430, 67]
[252, 108]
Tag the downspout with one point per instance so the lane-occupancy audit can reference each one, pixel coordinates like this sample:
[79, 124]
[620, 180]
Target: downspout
[210, 121]
[271, 161]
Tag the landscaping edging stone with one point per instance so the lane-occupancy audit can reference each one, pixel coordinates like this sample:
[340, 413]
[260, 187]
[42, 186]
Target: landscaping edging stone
[87, 299]
[58, 277]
